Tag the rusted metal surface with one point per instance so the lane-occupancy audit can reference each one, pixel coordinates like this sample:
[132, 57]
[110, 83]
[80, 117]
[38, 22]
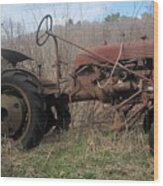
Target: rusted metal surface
[100, 54]
[131, 50]
[117, 86]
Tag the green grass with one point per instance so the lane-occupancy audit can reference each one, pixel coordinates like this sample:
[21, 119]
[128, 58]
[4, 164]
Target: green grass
[82, 153]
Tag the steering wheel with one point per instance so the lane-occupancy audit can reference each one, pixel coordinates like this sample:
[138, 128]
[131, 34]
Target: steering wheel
[45, 25]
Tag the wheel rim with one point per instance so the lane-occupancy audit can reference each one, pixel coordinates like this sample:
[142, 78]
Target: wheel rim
[15, 112]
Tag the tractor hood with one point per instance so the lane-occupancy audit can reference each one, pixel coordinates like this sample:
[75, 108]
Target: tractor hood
[131, 50]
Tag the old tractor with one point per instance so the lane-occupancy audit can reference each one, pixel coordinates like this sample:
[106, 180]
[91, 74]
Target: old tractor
[118, 74]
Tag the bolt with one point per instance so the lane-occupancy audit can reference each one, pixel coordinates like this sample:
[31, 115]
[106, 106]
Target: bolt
[16, 105]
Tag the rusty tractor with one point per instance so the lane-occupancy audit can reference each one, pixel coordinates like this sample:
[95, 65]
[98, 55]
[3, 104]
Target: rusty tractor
[118, 74]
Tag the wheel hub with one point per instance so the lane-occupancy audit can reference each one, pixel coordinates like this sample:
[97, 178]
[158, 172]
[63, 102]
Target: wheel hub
[12, 114]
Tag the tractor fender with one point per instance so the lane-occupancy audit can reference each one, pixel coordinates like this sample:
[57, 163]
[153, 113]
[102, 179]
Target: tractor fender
[24, 73]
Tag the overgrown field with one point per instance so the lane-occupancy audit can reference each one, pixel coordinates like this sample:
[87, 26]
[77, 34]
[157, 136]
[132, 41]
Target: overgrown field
[83, 153]
[88, 150]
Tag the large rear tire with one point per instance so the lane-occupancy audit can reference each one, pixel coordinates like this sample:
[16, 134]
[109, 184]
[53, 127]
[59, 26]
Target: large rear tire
[23, 115]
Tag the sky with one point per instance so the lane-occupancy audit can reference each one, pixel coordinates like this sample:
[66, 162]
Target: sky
[31, 14]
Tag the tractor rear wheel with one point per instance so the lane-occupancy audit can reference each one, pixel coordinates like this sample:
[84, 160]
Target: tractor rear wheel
[22, 111]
